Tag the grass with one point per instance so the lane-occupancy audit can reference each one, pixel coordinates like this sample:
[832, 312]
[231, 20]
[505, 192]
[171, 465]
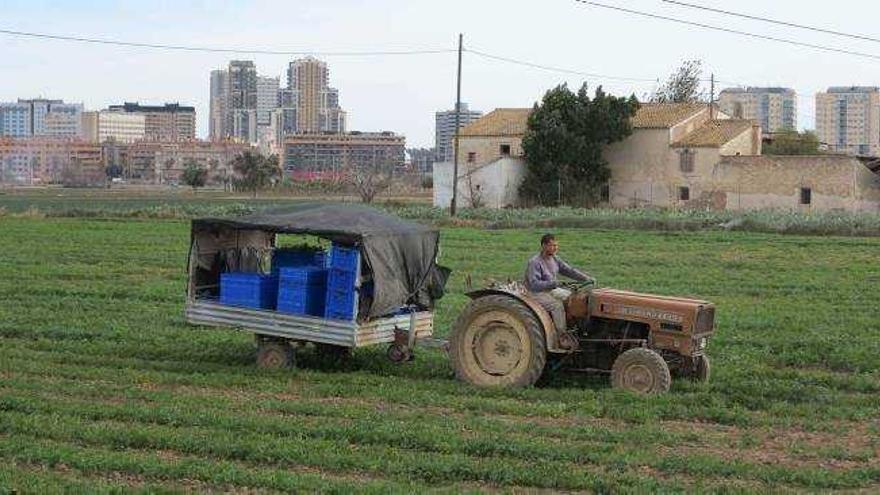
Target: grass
[183, 204]
[104, 388]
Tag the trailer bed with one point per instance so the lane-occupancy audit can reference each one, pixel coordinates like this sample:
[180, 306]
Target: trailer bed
[308, 328]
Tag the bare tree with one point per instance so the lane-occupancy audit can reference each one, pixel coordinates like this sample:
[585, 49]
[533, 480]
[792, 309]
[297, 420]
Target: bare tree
[683, 85]
[370, 180]
[476, 192]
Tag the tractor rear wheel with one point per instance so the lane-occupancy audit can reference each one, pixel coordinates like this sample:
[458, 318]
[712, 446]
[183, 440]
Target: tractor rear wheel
[274, 353]
[642, 371]
[497, 341]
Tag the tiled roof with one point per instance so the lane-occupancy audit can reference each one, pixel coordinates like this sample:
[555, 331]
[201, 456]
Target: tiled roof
[664, 115]
[499, 122]
[715, 133]
[512, 121]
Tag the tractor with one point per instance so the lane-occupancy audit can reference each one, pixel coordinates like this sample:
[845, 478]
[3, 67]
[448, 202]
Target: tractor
[504, 338]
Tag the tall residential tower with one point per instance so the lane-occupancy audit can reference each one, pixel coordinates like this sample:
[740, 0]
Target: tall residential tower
[774, 108]
[848, 119]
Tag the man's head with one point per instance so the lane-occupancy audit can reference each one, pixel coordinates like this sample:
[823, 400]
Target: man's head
[549, 246]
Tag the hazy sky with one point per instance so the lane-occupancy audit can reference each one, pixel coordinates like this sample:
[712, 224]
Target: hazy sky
[401, 93]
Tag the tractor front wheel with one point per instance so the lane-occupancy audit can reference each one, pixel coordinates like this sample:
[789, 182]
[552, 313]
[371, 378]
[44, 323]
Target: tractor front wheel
[701, 369]
[497, 341]
[642, 371]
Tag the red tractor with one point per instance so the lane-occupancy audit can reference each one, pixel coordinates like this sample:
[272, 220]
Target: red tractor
[505, 338]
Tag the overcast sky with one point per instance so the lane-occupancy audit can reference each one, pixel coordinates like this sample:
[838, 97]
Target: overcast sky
[401, 93]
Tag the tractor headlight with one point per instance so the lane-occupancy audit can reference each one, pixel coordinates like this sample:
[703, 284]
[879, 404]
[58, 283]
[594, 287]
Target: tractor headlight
[702, 343]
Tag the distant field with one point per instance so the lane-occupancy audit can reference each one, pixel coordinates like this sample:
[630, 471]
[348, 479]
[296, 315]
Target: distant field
[102, 384]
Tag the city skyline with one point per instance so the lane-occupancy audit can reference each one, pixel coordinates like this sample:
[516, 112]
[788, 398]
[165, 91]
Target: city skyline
[401, 93]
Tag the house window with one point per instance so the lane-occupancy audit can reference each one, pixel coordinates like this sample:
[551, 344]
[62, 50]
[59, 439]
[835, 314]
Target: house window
[505, 150]
[806, 195]
[684, 193]
[686, 161]
[472, 157]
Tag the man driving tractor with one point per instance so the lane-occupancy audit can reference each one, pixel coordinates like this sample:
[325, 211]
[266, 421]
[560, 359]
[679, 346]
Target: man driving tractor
[541, 279]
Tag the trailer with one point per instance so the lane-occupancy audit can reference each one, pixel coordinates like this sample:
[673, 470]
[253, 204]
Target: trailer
[398, 259]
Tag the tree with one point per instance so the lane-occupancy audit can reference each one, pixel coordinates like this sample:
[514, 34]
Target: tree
[254, 171]
[195, 175]
[370, 180]
[791, 142]
[563, 144]
[683, 85]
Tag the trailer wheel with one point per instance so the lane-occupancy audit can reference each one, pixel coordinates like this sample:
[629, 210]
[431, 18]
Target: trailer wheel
[497, 341]
[642, 371]
[274, 353]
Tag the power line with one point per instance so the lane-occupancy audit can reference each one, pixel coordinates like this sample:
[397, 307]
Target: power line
[248, 51]
[773, 21]
[726, 30]
[556, 69]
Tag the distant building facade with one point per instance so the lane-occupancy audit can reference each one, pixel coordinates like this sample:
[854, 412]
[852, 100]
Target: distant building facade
[267, 99]
[774, 108]
[848, 120]
[314, 155]
[218, 105]
[169, 122]
[107, 125]
[46, 160]
[317, 103]
[40, 117]
[444, 130]
[422, 159]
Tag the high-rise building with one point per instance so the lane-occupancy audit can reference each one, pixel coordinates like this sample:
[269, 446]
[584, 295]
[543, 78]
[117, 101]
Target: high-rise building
[444, 129]
[242, 100]
[267, 99]
[108, 125]
[774, 108]
[217, 123]
[168, 123]
[317, 104]
[40, 117]
[848, 120]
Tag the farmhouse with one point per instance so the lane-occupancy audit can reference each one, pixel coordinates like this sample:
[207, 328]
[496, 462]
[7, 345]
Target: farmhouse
[680, 155]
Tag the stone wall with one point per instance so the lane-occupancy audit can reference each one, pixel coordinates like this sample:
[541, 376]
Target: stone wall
[834, 183]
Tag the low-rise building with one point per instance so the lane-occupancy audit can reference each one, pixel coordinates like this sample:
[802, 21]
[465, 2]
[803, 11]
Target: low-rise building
[107, 125]
[491, 162]
[168, 122]
[164, 162]
[315, 155]
[45, 160]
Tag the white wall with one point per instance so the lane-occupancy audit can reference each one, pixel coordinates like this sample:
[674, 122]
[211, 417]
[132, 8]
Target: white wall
[497, 183]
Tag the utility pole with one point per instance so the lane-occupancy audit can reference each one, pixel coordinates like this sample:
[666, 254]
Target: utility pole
[712, 96]
[455, 138]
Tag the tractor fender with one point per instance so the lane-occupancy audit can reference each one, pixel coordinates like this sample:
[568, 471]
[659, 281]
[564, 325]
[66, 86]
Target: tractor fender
[550, 334]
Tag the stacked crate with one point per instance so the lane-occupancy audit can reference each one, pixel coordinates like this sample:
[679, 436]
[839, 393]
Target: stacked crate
[301, 290]
[282, 258]
[250, 290]
[343, 273]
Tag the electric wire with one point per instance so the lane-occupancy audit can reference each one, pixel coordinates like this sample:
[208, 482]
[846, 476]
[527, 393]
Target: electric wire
[728, 30]
[772, 21]
[248, 51]
[555, 69]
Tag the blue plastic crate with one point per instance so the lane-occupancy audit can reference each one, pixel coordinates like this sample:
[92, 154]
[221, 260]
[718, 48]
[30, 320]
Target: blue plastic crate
[250, 290]
[344, 258]
[341, 279]
[302, 290]
[283, 258]
[340, 304]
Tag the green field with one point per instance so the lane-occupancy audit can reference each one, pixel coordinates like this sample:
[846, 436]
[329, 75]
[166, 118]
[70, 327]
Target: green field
[103, 386]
